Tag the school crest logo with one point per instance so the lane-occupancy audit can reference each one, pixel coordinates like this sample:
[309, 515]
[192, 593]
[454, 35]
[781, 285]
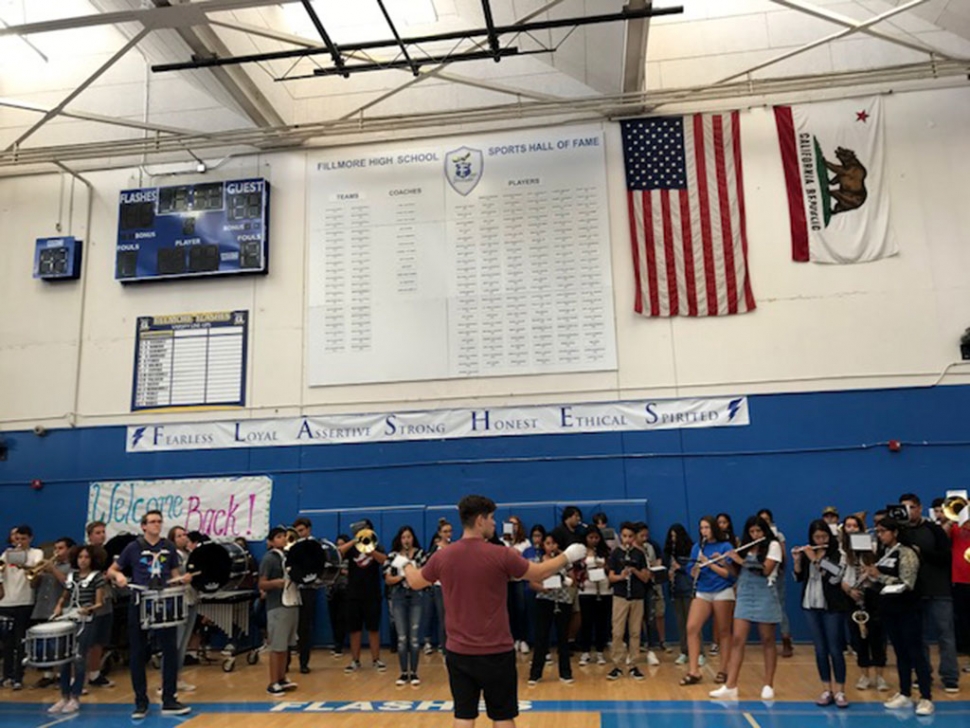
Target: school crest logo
[463, 169]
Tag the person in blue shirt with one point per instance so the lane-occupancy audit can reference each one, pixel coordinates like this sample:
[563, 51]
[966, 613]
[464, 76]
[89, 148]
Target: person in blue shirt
[714, 575]
[153, 564]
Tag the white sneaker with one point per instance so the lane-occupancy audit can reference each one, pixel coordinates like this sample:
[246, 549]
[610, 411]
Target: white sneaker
[863, 683]
[724, 692]
[600, 659]
[184, 687]
[652, 659]
[548, 657]
[681, 659]
[584, 659]
[924, 707]
[515, 646]
[767, 693]
[73, 706]
[702, 660]
[898, 701]
[881, 684]
[524, 647]
[58, 706]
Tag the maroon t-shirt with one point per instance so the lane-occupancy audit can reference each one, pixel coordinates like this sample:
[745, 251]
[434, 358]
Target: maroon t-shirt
[474, 575]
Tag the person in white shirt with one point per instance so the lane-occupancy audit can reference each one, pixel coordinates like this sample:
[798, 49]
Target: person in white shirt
[595, 599]
[17, 598]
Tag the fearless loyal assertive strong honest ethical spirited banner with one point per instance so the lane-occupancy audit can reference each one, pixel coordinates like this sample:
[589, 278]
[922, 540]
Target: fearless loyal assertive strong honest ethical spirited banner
[220, 507]
[566, 419]
[834, 156]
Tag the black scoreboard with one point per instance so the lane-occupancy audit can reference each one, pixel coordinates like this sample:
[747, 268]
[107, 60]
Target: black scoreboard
[186, 231]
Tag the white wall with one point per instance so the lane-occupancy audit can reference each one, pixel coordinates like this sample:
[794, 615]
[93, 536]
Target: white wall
[891, 323]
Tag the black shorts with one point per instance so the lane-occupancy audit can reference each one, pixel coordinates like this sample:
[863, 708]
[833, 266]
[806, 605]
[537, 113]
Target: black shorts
[471, 675]
[363, 614]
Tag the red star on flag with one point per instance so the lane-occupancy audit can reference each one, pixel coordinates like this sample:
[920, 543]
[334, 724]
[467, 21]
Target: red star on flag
[862, 116]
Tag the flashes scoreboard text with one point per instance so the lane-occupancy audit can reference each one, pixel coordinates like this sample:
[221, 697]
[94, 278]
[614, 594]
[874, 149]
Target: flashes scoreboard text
[185, 231]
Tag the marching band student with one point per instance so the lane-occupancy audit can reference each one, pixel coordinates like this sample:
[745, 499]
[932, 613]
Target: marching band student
[17, 601]
[819, 567]
[781, 588]
[519, 541]
[364, 601]
[726, 525]
[757, 603]
[48, 588]
[103, 623]
[870, 650]
[595, 599]
[553, 607]
[178, 536]
[281, 619]
[153, 563]
[628, 573]
[899, 603]
[934, 587]
[652, 554]
[405, 604]
[434, 603]
[677, 547]
[337, 604]
[84, 592]
[960, 571]
[308, 605]
[534, 552]
[714, 595]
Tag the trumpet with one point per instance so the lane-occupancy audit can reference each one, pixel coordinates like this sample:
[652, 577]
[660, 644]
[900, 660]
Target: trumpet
[366, 540]
[32, 572]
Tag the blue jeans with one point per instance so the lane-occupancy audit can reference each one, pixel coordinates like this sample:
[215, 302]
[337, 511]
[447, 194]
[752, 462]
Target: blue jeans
[517, 611]
[406, 610]
[84, 642]
[938, 612]
[828, 636]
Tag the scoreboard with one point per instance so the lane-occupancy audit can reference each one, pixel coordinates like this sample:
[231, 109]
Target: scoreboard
[186, 231]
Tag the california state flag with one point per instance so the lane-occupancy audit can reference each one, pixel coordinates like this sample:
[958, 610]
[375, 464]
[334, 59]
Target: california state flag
[835, 173]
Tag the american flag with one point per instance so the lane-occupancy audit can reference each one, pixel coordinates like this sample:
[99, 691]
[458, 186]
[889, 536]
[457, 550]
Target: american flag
[686, 205]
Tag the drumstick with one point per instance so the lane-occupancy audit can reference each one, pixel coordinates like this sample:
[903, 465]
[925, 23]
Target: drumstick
[180, 579]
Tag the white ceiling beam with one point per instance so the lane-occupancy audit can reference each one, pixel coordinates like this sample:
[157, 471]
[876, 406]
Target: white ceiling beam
[174, 16]
[635, 55]
[844, 20]
[102, 69]
[88, 116]
[855, 28]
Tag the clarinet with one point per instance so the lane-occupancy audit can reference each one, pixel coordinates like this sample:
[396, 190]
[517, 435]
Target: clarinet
[629, 577]
[697, 570]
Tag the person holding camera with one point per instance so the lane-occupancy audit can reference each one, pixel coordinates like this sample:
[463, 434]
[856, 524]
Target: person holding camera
[933, 586]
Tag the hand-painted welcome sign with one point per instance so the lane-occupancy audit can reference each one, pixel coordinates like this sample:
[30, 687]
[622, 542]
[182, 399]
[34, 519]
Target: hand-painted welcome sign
[223, 508]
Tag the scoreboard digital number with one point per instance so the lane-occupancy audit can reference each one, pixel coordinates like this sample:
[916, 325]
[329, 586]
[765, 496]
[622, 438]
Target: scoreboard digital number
[187, 231]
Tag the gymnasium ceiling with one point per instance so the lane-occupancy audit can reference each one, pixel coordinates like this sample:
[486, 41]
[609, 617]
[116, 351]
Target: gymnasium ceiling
[78, 89]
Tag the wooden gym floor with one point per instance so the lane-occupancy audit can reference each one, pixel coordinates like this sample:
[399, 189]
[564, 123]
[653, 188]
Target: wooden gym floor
[329, 697]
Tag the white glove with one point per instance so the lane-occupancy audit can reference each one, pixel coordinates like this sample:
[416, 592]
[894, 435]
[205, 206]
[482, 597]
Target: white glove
[399, 562]
[575, 552]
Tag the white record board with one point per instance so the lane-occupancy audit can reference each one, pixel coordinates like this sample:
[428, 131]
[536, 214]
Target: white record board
[460, 257]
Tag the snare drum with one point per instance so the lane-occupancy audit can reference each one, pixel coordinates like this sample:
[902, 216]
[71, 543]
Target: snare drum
[217, 566]
[50, 644]
[162, 608]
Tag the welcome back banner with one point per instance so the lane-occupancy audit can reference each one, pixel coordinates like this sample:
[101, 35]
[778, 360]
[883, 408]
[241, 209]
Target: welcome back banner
[442, 424]
[223, 508]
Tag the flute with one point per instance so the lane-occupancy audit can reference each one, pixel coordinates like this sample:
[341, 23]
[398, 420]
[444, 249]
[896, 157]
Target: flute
[738, 550]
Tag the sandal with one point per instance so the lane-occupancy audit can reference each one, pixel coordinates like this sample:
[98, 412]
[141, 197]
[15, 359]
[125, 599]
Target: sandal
[721, 677]
[689, 679]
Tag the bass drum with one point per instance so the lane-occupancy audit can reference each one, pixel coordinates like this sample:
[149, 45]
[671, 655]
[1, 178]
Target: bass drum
[306, 560]
[219, 566]
[333, 563]
[115, 545]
